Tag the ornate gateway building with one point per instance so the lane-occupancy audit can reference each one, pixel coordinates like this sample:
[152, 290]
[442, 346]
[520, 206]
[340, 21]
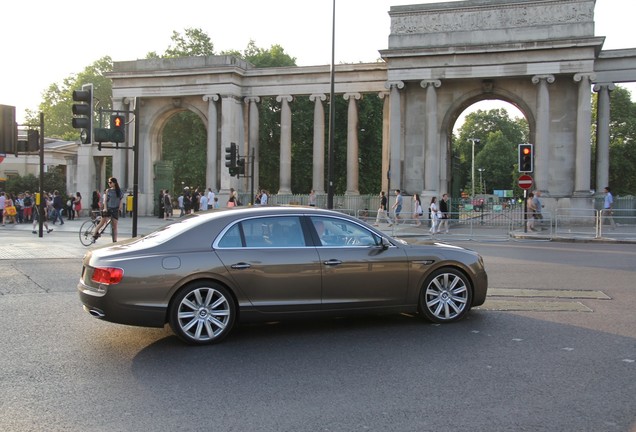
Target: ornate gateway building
[542, 56]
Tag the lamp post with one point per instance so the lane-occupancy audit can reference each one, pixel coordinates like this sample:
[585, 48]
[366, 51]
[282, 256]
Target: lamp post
[481, 180]
[472, 178]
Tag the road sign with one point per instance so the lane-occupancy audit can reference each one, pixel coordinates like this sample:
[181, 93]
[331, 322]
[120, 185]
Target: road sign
[525, 181]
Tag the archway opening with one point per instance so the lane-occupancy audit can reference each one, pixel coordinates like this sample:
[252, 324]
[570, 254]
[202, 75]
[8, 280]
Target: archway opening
[183, 156]
[483, 150]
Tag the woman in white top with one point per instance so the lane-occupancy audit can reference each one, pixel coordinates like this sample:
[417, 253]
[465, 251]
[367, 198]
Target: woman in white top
[434, 215]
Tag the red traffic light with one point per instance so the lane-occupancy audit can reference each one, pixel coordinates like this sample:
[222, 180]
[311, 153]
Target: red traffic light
[525, 150]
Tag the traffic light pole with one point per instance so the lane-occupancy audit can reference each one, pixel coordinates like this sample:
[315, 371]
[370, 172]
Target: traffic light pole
[135, 169]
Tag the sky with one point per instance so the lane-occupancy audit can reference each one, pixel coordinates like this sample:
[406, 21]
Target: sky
[42, 43]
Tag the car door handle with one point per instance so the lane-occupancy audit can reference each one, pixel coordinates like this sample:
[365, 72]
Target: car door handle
[332, 262]
[240, 266]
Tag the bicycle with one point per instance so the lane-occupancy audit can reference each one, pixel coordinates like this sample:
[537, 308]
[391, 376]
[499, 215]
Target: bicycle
[87, 230]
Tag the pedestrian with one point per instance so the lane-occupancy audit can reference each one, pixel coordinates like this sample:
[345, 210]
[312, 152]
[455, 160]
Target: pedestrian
[608, 203]
[417, 209]
[443, 208]
[203, 202]
[27, 203]
[167, 205]
[231, 201]
[397, 206]
[530, 212]
[113, 200]
[70, 207]
[435, 216]
[10, 211]
[96, 200]
[19, 207]
[36, 219]
[538, 206]
[160, 201]
[264, 197]
[78, 204]
[3, 200]
[211, 196]
[58, 205]
[180, 204]
[312, 198]
[383, 213]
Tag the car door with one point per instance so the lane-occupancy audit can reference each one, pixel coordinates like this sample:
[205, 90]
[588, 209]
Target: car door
[358, 272]
[271, 263]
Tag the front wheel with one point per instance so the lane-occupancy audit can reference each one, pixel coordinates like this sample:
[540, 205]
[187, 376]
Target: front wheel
[86, 232]
[446, 296]
[202, 313]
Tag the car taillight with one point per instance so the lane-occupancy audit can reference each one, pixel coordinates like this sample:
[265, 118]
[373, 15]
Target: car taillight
[107, 275]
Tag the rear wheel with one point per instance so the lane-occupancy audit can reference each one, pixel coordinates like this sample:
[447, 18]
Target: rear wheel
[86, 232]
[446, 296]
[202, 313]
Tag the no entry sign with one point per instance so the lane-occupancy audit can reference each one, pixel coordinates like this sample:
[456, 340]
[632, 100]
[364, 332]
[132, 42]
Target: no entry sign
[525, 181]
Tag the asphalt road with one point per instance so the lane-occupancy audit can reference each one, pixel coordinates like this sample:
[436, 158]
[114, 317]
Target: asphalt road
[524, 362]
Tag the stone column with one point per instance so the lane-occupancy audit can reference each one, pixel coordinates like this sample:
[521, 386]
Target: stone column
[385, 140]
[583, 122]
[395, 135]
[285, 144]
[431, 147]
[542, 146]
[353, 150]
[253, 138]
[318, 174]
[603, 134]
[212, 145]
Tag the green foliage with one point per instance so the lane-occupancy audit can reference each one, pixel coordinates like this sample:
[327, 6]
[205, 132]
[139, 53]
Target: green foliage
[58, 99]
[496, 152]
[275, 56]
[184, 143]
[53, 180]
[195, 42]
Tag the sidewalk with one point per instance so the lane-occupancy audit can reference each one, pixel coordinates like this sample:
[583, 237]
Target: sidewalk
[18, 242]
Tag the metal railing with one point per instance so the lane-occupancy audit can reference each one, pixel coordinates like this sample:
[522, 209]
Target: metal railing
[486, 222]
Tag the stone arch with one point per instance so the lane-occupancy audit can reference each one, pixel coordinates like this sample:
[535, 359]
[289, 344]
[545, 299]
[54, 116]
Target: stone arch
[461, 103]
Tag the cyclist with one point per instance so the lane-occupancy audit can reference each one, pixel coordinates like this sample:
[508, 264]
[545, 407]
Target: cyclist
[113, 200]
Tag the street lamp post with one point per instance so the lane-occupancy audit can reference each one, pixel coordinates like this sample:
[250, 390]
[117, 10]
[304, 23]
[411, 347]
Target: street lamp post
[481, 180]
[472, 178]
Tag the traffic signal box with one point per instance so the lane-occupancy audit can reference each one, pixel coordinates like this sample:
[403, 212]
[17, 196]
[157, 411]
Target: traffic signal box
[231, 154]
[526, 158]
[118, 128]
[83, 112]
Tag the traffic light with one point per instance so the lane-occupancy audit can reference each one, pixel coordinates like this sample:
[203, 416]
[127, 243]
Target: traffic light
[526, 158]
[117, 128]
[28, 141]
[83, 112]
[231, 153]
[240, 166]
[8, 130]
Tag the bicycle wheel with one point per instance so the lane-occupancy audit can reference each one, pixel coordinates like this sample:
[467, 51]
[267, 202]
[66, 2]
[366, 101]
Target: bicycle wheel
[86, 232]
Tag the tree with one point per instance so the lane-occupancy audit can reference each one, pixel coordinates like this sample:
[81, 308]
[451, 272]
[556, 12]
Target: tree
[500, 148]
[195, 42]
[58, 99]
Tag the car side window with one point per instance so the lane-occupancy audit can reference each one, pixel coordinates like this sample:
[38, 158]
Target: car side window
[341, 232]
[231, 238]
[273, 232]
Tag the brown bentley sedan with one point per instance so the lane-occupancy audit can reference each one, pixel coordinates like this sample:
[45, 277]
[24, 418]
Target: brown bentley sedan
[210, 270]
